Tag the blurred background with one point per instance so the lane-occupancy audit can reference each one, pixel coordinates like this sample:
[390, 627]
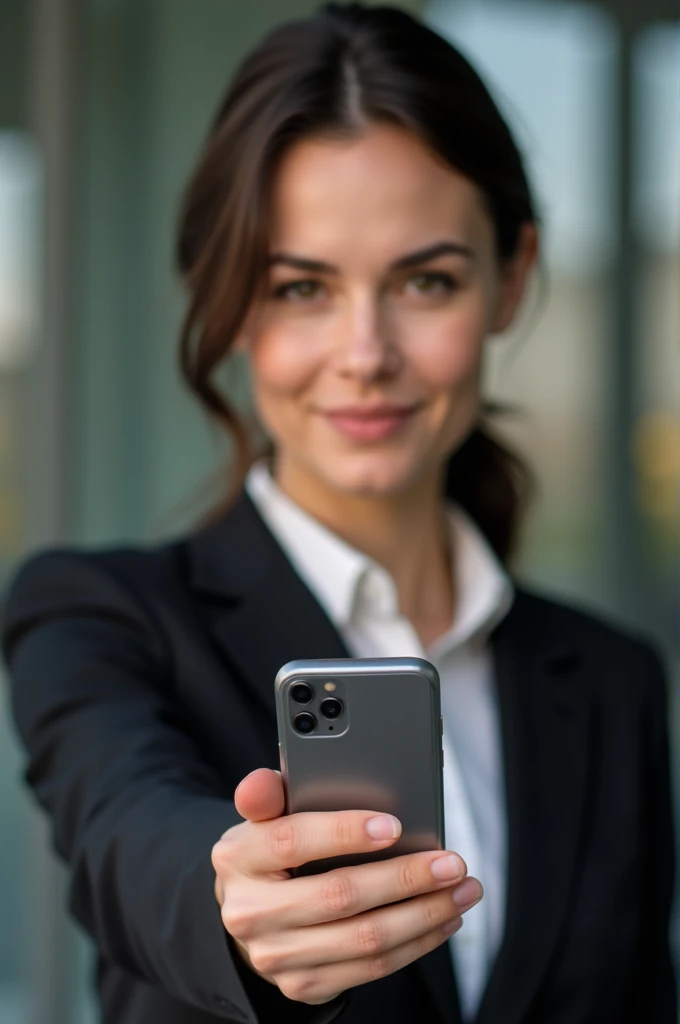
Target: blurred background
[103, 105]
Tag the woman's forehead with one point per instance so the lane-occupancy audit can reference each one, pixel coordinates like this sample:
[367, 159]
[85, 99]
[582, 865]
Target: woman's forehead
[382, 188]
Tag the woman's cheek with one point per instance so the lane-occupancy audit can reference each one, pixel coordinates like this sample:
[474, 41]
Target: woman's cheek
[283, 362]
[449, 355]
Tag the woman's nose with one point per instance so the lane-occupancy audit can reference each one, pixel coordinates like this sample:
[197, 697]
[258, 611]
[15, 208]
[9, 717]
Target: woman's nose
[367, 349]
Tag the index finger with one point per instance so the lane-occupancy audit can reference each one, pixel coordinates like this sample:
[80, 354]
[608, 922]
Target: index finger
[297, 839]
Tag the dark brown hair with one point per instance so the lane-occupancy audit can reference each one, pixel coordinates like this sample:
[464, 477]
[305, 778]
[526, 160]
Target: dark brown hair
[334, 72]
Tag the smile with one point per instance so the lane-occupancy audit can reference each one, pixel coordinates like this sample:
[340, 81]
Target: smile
[370, 424]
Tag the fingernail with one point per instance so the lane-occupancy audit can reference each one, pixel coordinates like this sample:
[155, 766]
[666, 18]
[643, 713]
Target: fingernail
[467, 894]
[452, 926]
[447, 869]
[383, 827]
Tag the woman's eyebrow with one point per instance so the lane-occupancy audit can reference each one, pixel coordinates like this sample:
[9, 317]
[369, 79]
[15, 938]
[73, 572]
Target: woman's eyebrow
[431, 252]
[411, 259]
[287, 259]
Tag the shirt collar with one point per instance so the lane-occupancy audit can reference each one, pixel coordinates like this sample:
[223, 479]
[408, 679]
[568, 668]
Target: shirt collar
[330, 567]
[484, 591]
[338, 574]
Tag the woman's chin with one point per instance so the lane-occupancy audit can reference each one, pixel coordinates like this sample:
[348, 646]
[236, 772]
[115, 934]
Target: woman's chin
[370, 476]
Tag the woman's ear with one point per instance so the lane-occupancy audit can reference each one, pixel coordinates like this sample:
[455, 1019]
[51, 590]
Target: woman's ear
[514, 278]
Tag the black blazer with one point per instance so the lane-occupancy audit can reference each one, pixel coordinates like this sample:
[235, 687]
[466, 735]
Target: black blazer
[142, 686]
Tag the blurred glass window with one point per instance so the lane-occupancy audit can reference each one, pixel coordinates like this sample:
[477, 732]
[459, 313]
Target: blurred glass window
[20, 194]
[550, 67]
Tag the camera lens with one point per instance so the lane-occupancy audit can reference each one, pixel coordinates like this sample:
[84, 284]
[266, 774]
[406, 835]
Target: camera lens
[304, 723]
[301, 693]
[331, 707]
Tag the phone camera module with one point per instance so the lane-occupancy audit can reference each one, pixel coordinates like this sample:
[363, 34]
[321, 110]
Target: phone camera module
[304, 723]
[331, 707]
[301, 693]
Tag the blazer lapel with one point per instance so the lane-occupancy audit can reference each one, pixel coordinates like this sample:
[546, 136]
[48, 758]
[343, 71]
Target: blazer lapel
[259, 612]
[546, 725]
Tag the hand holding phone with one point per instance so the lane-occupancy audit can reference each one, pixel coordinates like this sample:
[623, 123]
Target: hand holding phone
[323, 931]
[318, 935]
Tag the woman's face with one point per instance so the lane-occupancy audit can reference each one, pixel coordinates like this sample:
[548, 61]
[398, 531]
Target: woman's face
[366, 351]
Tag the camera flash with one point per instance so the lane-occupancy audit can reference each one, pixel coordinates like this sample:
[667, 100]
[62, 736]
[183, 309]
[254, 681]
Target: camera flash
[329, 687]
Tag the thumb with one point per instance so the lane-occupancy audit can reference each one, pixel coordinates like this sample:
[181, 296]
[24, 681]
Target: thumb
[260, 795]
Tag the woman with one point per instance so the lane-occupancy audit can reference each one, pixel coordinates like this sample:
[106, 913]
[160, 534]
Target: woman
[359, 226]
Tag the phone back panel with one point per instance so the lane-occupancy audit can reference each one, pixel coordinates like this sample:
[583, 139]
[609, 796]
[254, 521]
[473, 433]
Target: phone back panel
[384, 754]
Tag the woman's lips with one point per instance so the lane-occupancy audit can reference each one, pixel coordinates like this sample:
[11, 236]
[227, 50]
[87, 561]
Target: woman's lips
[371, 424]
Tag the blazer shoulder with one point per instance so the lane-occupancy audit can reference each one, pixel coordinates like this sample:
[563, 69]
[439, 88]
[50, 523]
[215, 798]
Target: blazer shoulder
[68, 581]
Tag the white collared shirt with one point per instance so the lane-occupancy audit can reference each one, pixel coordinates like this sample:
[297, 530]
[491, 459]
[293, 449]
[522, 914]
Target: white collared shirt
[360, 598]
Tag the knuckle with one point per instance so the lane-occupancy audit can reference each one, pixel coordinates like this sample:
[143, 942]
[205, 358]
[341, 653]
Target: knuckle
[342, 832]
[338, 893]
[369, 937]
[238, 919]
[218, 857]
[380, 966]
[408, 879]
[265, 960]
[298, 987]
[436, 912]
[283, 840]
[222, 853]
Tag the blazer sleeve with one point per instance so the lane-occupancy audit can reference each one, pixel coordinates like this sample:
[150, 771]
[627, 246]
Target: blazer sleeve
[135, 809]
[654, 985]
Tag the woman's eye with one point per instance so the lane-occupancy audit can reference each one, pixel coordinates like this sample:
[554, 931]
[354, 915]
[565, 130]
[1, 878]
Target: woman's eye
[431, 283]
[298, 291]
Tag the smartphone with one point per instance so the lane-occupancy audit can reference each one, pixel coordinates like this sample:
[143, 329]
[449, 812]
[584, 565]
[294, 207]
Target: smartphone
[364, 734]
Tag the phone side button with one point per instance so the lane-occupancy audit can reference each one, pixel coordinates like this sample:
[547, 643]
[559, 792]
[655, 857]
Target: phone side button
[442, 756]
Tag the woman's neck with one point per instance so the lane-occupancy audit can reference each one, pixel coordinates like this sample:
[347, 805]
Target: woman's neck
[407, 534]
